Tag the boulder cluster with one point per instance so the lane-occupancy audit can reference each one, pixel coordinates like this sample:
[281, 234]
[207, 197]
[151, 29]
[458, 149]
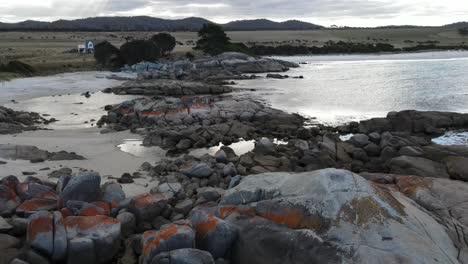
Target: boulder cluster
[13, 122]
[182, 123]
[34, 154]
[325, 216]
[229, 65]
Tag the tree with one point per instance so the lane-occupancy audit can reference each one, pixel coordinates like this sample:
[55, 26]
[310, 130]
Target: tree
[463, 31]
[165, 41]
[108, 55]
[213, 40]
[140, 50]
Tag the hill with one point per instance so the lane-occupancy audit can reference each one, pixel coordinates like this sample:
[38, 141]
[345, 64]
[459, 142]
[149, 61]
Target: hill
[265, 24]
[458, 25]
[145, 23]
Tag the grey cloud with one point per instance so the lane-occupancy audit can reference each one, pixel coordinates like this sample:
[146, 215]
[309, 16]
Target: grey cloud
[310, 10]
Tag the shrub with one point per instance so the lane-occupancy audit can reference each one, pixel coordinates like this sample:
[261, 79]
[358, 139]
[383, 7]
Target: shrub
[140, 50]
[108, 55]
[213, 40]
[166, 42]
[18, 67]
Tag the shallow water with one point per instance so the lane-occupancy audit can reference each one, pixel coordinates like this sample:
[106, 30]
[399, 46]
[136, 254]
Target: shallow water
[342, 88]
[78, 82]
[71, 110]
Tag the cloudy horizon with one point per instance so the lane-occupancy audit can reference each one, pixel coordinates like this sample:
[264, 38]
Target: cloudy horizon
[357, 13]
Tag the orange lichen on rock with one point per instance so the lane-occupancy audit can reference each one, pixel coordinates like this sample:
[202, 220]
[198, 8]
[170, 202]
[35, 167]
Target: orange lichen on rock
[39, 225]
[37, 205]
[157, 237]
[88, 222]
[226, 211]
[208, 225]
[104, 206]
[291, 217]
[409, 185]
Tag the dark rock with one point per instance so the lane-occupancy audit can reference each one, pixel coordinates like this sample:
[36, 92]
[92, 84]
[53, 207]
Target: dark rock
[174, 236]
[405, 165]
[83, 187]
[213, 234]
[184, 256]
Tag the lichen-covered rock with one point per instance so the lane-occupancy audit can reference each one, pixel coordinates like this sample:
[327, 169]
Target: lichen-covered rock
[83, 187]
[103, 231]
[112, 193]
[40, 234]
[60, 238]
[360, 221]
[35, 205]
[213, 234]
[146, 207]
[184, 256]
[8, 200]
[170, 237]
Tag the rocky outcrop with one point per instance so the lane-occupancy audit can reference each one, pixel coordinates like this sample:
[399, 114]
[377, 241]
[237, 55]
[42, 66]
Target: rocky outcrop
[229, 65]
[168, 88]
[14, 122]
[324, 210]
[418, 122]
[179, 124]
[34, 154]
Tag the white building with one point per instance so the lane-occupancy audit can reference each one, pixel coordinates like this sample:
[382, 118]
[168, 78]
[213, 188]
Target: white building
[88, 47]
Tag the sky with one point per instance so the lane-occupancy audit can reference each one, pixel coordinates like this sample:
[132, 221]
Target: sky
[359, 13]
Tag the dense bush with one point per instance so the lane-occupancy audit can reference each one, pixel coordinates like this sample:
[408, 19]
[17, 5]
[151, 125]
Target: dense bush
[108, 55]
[166, 42]
[329, 48]
[140, 50]
[18, 67]
[213, 40]
[463, 31]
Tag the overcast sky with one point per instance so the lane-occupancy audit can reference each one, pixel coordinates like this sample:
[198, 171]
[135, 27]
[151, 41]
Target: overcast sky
[324, 12]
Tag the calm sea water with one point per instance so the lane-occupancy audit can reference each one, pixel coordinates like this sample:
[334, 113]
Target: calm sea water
[338, 89]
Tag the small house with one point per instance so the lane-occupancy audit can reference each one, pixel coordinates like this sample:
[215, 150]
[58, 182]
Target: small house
[88, 47]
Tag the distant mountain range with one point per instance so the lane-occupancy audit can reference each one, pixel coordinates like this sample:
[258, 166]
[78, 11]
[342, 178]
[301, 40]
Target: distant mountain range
[458, 25]
[145, 23]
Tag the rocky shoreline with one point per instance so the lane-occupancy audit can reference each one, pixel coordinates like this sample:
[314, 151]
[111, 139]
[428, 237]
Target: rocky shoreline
[386, 194]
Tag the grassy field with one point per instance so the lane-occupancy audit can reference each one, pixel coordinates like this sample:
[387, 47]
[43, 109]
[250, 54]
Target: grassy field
[48, 51]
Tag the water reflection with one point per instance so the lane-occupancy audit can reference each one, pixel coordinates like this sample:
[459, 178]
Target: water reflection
[359, 88]
[452, 138]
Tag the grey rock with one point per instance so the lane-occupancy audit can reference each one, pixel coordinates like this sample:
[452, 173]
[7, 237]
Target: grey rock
[217, 239]
[4, 226]
[234, 181]
[112, 192]
[330, 206]
[82, 247]
[83, 187]
[7, 241]
[405, 165]
[127, 223]
[184, 207]
[359, 140]
[411, 151]
[221, 156]
[457, 167]
[229, 170]
[184, 256]
[198, 170]
[264, 146]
